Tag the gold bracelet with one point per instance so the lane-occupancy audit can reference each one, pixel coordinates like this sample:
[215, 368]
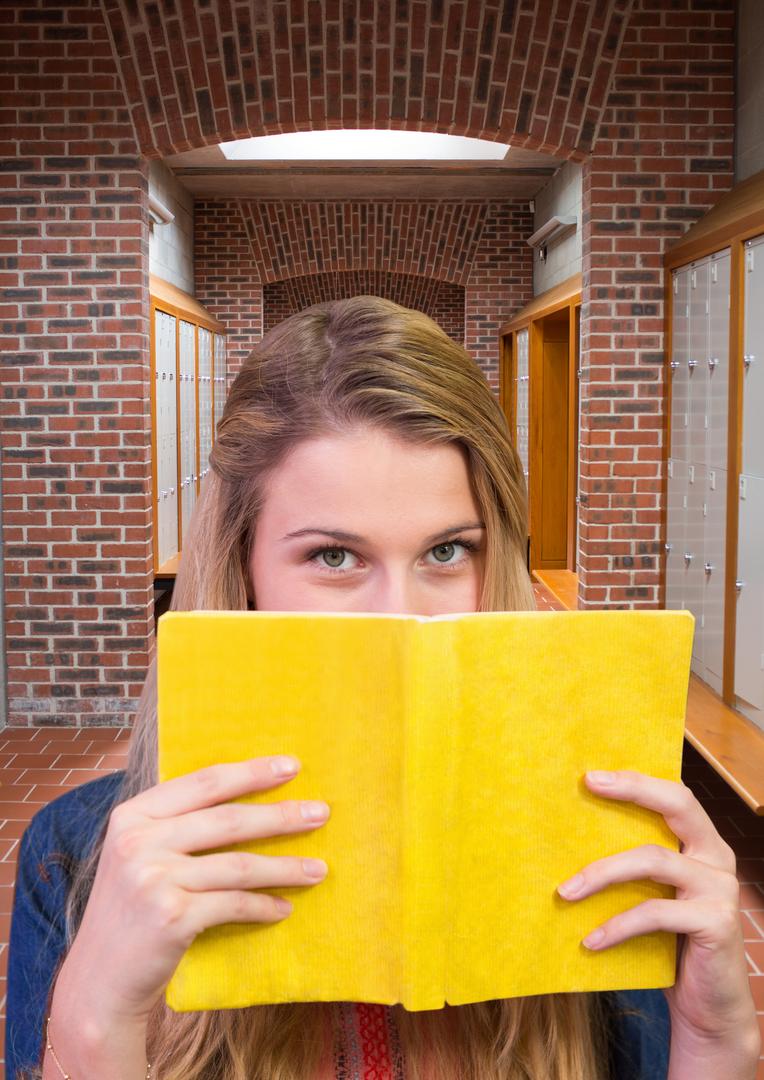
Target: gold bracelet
[66, 1075]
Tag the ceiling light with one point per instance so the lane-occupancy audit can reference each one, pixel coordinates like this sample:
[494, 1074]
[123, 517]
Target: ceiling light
[364, 144]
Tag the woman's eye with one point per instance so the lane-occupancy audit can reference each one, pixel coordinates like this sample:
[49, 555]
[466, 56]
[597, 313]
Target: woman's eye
[444, 553]
[334, 557]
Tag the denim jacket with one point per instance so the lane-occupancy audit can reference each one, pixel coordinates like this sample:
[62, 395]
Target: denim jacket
[66, 829]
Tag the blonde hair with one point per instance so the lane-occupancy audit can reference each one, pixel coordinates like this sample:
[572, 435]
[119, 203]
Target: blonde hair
[332, 368]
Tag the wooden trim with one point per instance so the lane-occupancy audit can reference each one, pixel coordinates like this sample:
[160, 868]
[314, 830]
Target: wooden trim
[567, 292]
[535, 409]
[734, 464]
[738, 216]
[181, 304]
[573, 436]
[732, 744]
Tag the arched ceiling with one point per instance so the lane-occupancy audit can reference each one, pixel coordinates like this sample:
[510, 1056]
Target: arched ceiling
[535, 75]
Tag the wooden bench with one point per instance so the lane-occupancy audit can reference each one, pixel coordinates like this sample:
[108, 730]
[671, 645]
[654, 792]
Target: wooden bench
[730, 742]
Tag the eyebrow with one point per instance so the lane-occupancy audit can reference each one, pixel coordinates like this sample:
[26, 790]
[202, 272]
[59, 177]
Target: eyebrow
[354, 538]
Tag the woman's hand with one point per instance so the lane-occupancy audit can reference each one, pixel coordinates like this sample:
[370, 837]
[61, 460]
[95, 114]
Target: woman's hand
[713, 1017]
[152, 896]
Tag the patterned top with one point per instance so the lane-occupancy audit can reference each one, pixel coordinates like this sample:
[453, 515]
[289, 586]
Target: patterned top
[366, 1044]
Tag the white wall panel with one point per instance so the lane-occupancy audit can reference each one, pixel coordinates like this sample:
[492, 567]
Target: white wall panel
[749, 651]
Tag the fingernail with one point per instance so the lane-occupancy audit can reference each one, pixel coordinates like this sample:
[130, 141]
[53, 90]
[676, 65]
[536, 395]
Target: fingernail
[570, 888]
[594, 939]
[313, 811]
[283, 905]
[283, 766]
[598, 776]
[314, 867]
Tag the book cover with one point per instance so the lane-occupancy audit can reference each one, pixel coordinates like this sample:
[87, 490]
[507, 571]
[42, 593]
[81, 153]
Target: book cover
[451, 751]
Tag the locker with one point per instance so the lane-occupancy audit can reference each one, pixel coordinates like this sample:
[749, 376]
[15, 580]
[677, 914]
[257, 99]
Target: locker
[187, 361]
[676, 570]
[749, 651]
[205, 401]
[522, 416]
[717, 374]
[753, 359]
[714, 538]
[680, 373]
[697, 361]
[166, 437]
[220, 378]
[693, 557]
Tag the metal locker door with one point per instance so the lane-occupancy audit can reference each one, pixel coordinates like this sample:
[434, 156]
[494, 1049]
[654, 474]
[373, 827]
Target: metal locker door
[205, 401]
[698, 361]
[713, 568]
[753, 359]
[749, 637]
[693, 557]
[187, 424]
[676, 521]
[718, 359]
[680, 354]
[166, 437]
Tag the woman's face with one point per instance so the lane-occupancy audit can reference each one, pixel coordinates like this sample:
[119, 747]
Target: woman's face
[367, 522]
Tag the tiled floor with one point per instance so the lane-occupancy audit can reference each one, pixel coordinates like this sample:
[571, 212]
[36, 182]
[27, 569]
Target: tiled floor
[37, 764]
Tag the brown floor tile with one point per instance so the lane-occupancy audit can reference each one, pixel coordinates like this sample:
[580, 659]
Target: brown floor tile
[755, 950]
[44, 776]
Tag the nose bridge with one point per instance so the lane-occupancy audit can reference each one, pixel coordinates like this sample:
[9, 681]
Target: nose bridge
[398, 590]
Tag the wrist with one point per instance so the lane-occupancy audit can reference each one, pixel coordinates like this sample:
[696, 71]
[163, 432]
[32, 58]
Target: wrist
[706, 1057]
[92, 1042]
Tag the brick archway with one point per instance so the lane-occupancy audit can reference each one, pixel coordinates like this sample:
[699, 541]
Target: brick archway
[442, 301]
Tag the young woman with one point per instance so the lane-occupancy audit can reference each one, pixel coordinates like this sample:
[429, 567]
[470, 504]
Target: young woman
[362, 464]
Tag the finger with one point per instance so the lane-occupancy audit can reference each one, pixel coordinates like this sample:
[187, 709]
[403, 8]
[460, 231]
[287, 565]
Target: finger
[652, 861]
[709, 923]
[241, 870]
[214, 784]
[681, 810]
[234, 906]
[233, 823]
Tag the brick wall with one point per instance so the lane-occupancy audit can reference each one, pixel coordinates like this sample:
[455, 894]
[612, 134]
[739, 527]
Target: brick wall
[478, 247]
[75, 392]
[89, 93]
[440, 300]
[663, 157]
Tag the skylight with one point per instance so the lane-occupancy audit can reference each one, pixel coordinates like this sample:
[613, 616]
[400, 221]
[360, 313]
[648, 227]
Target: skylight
[364, 145]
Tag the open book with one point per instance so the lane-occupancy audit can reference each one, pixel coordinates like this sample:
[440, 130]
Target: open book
[451, 751]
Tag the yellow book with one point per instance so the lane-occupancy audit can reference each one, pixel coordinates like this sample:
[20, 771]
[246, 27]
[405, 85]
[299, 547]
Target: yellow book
[451, 751]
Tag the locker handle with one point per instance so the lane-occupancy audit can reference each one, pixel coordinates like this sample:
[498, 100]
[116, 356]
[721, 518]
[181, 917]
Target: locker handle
[674, 365]
[708, 568]
[668, 547]
[748, 359]
[713, 361]
[692, 363]
[687, 557]
[739, 585]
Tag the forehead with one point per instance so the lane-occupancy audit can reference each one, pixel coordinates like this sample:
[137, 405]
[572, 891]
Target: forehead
[368, 475]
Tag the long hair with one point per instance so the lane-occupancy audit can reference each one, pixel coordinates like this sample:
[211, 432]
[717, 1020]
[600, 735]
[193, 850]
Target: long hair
[329, 369]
